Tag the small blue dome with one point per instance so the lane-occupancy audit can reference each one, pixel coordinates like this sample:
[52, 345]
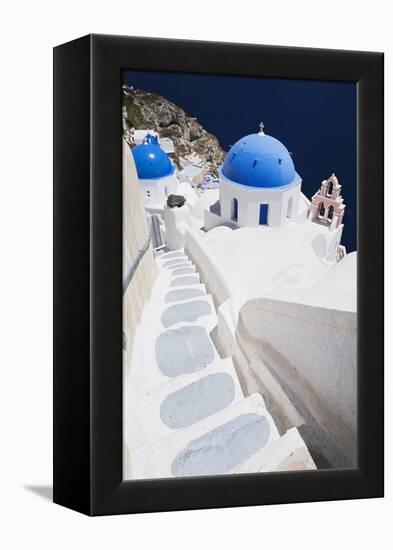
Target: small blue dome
[151, 161]
[258, 160]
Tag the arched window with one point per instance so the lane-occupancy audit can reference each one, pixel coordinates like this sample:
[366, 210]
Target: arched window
[330, 189]
[235, 210]
[321, 210]
[330, 213]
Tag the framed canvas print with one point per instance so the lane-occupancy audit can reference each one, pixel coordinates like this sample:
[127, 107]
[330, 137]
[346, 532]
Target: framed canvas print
[218, 275]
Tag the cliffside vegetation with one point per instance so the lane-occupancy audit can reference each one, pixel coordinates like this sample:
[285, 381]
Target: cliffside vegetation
[148, 110]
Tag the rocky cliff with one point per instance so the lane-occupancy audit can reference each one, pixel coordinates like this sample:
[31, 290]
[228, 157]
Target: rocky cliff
[148, 110]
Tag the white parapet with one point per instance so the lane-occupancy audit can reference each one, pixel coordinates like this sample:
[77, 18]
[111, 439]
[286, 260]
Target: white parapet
[174, 218]
[285, 454]
[307, 339]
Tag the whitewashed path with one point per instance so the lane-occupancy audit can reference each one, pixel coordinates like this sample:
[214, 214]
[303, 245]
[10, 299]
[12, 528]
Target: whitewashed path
[186, 414]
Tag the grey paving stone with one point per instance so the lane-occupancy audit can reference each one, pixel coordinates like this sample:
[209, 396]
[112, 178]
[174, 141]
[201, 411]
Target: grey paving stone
[180, 264]
[182, 281]
[185, 313]
[178, 254]
[223, 448]
[183, 294]
[198, 400]
[183, 271]
[183, 350]
[173, 263]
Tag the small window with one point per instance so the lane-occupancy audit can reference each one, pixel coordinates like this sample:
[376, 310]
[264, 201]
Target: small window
[263, 214]
[290, 208]
[235, 210]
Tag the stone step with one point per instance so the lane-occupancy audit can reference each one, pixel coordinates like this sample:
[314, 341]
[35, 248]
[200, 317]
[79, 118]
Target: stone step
[213, 446]
[171, 255]
[160, 355]
[184, 280]
[285, 454]
[170, 265]
[182, 269]
[182, 402]
[183, 294]
[200, 310]
[163, 287]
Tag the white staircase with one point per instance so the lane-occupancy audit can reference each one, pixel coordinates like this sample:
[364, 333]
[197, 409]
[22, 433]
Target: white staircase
[185, 411]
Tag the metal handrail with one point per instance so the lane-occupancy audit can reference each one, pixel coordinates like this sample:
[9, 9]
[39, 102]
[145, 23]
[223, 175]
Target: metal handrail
[141, 252]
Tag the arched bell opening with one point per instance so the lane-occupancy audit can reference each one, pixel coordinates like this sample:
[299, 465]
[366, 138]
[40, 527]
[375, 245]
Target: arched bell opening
[321, 210]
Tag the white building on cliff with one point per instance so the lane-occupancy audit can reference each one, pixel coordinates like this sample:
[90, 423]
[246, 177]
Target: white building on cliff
[254, 287]
[259, 187]
[157, 173]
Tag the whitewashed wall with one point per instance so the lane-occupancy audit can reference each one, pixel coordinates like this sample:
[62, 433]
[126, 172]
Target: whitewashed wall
[211, 272]
[249, 200]
[135, 235]
[156, 191]
[308, 344]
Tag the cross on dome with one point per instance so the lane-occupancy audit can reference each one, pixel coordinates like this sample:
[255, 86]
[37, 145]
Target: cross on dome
[150, 138]
[256, 162]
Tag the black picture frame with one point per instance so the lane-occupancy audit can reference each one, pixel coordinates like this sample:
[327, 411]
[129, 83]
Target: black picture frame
[88, 275]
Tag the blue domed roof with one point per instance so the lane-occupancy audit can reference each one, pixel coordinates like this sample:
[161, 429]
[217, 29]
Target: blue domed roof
[258, 160]
[150, 160]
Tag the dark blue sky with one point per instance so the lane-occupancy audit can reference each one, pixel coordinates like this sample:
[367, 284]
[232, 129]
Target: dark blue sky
[315, 120]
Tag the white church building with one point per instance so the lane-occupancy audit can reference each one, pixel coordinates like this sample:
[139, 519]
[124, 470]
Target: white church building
[156, 172]
[259, 187]
[258, 184]
[157, 175]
